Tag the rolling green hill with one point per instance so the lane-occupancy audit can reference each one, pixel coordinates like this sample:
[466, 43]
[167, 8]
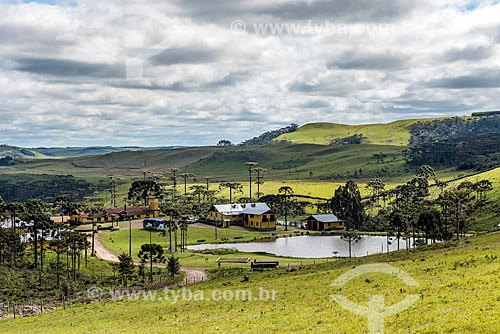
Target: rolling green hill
[395, 133]
[64, 152]
[67, 152]
[458, 292]
[18, 152]
[303, 161]
[282, 162]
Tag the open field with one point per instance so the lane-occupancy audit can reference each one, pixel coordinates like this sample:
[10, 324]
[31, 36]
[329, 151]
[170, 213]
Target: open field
[459, 289]
[118, 242]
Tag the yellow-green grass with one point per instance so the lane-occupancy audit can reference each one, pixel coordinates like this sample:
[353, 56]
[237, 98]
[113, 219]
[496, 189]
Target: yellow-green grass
[118, 242]
[459, 292]
[395, 133]
[486, 217]
[489, 214]
[301, 161]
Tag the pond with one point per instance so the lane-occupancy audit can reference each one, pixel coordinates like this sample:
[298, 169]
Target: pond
[313, 247]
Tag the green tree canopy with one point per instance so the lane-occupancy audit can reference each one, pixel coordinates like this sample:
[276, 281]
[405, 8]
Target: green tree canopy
[346, 204]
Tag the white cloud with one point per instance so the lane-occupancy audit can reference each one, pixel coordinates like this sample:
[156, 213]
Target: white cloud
[62, 70]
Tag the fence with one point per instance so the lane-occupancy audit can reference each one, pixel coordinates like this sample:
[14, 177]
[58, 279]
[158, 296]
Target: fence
[34, 306]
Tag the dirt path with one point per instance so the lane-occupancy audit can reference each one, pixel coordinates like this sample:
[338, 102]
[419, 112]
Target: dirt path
[191, 275]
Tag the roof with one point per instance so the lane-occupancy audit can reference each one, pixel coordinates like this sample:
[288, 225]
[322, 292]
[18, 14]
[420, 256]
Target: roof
[237, 209]
[328, 218]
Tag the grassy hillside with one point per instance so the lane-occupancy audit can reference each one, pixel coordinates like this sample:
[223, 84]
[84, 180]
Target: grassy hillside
[18, 152]
[127, 163]
[302, 161]
[459, 288]
[282, 162]
[395, 133]
[488, 214]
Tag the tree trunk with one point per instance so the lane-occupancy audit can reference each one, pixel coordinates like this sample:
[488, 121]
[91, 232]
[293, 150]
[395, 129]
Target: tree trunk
[41, 251]
[57, 264]
[35, 244]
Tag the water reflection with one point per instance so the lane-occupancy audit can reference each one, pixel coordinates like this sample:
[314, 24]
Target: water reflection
[313, 247]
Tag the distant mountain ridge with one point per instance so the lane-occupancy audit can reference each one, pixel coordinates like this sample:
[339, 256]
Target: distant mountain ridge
[67, 152]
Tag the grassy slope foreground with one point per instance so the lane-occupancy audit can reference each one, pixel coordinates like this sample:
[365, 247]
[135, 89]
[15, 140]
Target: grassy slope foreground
[459, 293]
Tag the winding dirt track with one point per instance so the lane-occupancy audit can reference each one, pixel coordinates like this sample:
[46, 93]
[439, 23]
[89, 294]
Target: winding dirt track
[191, 275]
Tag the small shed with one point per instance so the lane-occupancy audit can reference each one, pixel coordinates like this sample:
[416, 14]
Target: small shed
[326, 222]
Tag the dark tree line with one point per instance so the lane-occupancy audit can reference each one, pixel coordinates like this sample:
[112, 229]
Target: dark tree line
[453, 128]
[47, 187]
[479, 153]
[269, 136]
[350, 140]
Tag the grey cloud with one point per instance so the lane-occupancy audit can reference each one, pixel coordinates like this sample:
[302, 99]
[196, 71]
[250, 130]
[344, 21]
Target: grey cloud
[467, 54]
[343, 10]
[229, 80]
[194, 55]
[315, 104]
[302, 86]
[368, 61]
[408, 103]
[335, 10]
[178, 86]
[480, 80]
[68, 68]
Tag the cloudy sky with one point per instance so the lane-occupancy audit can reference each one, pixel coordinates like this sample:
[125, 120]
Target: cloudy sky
[191, 72]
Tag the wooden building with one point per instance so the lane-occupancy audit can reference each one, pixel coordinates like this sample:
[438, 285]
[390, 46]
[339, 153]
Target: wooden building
[326, 222]
[253, 215]
[117, 214]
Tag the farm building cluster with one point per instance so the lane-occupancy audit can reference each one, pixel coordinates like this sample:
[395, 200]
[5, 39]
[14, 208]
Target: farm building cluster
[258, 216]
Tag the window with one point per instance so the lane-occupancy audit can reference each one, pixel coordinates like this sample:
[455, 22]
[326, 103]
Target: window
[272, 218]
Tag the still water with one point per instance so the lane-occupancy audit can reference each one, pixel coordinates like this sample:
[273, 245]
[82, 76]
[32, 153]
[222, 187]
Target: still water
[314, 247]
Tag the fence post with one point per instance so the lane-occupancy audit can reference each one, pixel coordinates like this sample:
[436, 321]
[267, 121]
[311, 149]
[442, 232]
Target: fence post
[14, 309]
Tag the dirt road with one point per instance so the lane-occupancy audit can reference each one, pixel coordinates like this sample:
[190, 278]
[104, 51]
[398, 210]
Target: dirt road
[191, 275]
